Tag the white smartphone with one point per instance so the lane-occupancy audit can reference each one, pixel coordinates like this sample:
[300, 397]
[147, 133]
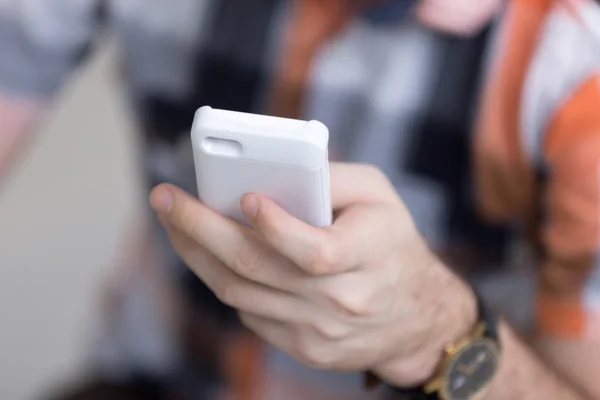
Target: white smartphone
[284, 159]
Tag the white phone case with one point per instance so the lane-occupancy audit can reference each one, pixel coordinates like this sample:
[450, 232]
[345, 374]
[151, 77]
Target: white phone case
[284, 159]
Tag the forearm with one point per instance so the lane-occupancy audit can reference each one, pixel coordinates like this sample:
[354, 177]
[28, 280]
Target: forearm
[289, 85]
[312, 24]
[522, 375]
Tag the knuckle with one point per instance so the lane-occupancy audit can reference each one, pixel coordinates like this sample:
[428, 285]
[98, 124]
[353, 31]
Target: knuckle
[270, 228]
[323, 260]
[329, 331]
[246, 261]
[229, 294]
[349, 303]
[313, 355]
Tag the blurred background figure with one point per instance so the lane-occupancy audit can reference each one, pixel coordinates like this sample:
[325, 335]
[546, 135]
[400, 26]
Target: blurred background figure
[393, 91]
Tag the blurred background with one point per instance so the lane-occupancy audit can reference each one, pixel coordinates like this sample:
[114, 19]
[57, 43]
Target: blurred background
[96, 100]
[63, 209]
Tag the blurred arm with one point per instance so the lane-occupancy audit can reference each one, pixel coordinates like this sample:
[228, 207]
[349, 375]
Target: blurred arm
[41, 42]
[17, 120]
[525, 376]
[311, 24]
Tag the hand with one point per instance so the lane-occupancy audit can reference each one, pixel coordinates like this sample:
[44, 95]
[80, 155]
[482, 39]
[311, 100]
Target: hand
[363, 294]
[461, 17]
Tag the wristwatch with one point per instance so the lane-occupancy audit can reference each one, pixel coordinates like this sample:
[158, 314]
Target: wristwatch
[467, 366]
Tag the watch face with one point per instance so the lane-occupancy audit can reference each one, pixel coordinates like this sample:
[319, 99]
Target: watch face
[471, 370]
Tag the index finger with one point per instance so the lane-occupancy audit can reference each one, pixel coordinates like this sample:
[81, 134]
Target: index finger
[235, 245]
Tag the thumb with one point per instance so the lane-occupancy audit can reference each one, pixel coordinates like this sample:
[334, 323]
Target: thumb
[312, 249]
[359, 183]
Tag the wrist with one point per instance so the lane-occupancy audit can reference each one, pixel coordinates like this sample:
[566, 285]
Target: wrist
[454, 316]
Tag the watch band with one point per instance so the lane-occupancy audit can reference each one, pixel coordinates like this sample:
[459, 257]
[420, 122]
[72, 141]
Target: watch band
[488, 318]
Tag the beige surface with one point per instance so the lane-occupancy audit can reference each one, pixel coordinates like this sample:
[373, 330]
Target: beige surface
[61, 213]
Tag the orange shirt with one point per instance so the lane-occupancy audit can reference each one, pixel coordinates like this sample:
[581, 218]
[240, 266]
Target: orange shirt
[537, 152]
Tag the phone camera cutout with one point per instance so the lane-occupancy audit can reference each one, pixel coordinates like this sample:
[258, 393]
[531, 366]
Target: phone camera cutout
[222, 147]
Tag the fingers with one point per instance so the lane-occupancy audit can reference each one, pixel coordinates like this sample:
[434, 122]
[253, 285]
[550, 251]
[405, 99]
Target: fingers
[233, 289]
[272, 331]
[322, 251]
[235, 245]
[316, 251]
[353, 240]
[359, 183]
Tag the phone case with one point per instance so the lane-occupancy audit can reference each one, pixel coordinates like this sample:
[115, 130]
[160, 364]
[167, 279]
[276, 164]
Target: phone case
[284, 159]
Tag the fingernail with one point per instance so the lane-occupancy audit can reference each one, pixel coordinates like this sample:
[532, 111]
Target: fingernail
[250, 205]
[161, 200]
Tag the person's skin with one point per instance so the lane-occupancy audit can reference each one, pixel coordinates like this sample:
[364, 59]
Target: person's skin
[315, 20]
[363, 294]
[137, 260]
[459, 17]
[17, 120]
[577, 361]
[312, 22]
